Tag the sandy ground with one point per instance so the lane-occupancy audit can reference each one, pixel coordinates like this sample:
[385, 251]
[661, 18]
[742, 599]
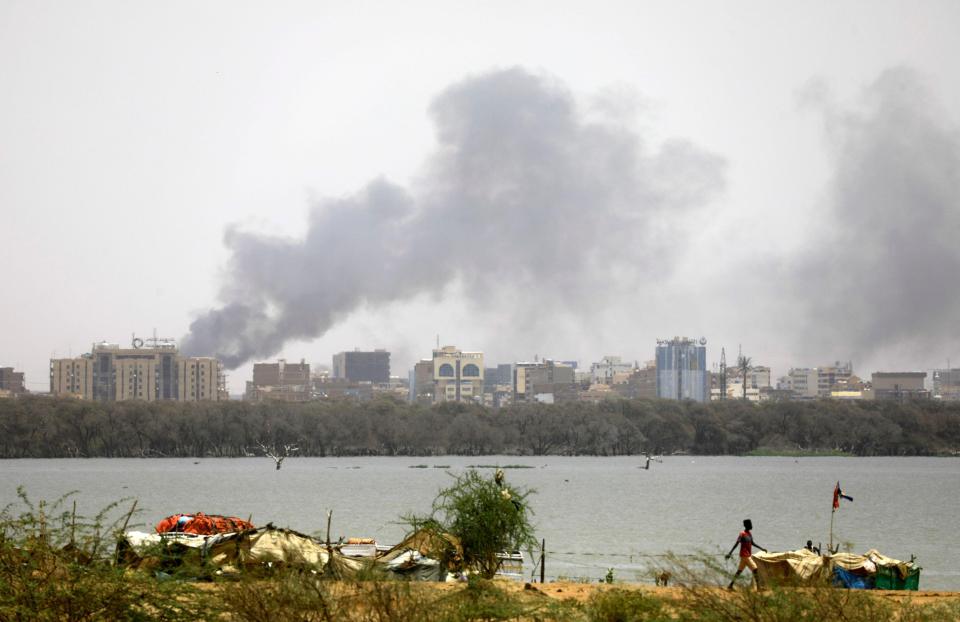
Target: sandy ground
[563, 590]
[582, 592]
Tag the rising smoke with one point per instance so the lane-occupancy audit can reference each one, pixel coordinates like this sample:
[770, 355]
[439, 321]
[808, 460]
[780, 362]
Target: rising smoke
[883, 270]
[523, 194]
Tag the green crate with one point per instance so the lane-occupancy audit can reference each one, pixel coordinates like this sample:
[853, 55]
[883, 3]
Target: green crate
[888, 578]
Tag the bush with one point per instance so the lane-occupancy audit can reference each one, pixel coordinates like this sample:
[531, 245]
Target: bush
[55, 565]
[487, 516]
[619, 605]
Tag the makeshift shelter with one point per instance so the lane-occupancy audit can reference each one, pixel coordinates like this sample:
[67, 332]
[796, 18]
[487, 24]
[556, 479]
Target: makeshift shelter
[137, 549]
[850, 570]
[264, 546]
[424, 556]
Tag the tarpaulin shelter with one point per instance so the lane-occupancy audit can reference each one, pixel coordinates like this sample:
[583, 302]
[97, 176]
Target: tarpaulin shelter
[422, 556]
[137, 549]
[844, 569]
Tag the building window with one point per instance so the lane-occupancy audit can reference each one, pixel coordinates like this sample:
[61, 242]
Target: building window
[446, 370]
[471, 371]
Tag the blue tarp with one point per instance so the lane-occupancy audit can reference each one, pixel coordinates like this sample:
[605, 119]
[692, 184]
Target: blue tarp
[847, 579]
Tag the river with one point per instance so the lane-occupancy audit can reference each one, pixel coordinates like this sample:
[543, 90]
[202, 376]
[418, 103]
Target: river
[595, 513]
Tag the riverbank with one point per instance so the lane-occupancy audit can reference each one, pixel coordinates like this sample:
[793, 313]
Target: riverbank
[583, 592]
[567, 601]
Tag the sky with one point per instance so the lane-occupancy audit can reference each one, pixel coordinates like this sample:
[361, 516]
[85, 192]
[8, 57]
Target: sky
[556, 179]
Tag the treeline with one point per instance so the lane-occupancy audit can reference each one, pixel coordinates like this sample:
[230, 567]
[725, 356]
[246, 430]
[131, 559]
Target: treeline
[50, 428]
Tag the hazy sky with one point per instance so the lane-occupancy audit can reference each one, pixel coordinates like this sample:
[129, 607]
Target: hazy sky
[559, 179]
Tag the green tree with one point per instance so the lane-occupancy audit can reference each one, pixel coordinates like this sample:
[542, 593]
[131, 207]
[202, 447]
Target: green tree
[487, 516]
[745, 364]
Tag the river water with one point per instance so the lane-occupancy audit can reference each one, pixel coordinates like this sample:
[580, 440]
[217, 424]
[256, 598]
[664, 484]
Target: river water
[595, 513]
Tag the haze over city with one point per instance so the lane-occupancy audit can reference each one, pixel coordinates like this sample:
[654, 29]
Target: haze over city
[267, 181]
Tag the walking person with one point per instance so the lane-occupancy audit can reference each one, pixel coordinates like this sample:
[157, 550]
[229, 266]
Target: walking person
[746, 543]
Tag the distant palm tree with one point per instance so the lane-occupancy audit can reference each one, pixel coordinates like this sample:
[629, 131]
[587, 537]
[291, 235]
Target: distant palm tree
[744, 365]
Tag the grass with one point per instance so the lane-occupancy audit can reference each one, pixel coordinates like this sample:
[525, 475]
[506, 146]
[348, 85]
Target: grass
[57, 565]
[298, 597]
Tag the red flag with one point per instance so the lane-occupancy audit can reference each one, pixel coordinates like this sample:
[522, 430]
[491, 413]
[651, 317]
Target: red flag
[837, 495]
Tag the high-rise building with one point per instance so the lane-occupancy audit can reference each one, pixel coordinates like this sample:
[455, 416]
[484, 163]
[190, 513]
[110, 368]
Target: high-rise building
[544, 381]
[898, 386]
[802, 382]
[833, 378]
[358, 366]
[422, 387]
[682, 372]
[640, 383]
[946, 384]
[11, 382]
[807, 383]
[280, 381]
[148, 371]
[457, 375]
[606, 368]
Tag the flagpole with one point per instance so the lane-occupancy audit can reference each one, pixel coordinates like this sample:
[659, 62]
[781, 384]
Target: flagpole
[832, 512]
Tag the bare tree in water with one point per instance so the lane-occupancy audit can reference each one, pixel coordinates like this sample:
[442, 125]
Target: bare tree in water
[278, 457]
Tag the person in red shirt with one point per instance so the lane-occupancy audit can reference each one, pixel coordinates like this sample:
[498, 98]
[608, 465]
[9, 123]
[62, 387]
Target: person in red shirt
[746, 543]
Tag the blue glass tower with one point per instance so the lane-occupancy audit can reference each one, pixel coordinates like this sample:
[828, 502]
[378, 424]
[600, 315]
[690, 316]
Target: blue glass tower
[682, 370]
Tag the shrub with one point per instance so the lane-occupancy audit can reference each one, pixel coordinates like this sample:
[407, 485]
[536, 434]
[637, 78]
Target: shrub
[55, 565]
[620, 605]
[487, 516]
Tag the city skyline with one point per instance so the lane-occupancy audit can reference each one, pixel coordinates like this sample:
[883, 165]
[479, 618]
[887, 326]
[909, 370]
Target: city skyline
[704, 361]
[290, 181]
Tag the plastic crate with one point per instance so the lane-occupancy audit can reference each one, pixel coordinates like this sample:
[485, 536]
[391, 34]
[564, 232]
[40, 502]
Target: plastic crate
[888, 578]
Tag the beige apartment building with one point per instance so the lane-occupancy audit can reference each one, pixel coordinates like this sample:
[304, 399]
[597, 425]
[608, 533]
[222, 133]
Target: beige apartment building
[11, 382]
[544, 381]
[898, 386]
[280, 381]
[457, 375]
[148, 371]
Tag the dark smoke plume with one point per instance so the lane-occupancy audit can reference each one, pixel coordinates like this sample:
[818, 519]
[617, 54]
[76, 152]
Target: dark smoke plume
[883, 270]
[522, 195]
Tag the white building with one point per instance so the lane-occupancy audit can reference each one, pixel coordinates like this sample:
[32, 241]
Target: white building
[603, 371]
[803, 382]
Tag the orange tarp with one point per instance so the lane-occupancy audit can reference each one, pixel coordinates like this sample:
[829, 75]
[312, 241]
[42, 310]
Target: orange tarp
[202, 524]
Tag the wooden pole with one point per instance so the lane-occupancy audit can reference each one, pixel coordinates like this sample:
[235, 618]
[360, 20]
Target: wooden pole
[329, 515]
[328, 570]
[123, 530]
[830, 548]
[129, 514]
[543, 560]
[73, 524]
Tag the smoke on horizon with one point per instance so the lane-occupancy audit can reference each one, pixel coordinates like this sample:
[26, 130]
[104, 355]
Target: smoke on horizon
[882, 271]
[523, 193]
